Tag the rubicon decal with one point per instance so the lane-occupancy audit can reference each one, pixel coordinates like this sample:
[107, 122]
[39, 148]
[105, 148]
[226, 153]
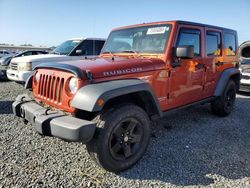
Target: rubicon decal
[122, 71]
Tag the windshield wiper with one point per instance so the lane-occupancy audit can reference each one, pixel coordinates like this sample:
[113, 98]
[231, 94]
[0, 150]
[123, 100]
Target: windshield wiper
[108, 52]
[129, 51]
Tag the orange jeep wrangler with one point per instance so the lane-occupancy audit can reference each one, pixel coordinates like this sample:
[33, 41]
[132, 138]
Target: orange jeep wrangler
[144, 72]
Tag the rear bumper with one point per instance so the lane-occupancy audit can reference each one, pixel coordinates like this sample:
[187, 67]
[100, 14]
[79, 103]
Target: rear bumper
[18, 76]
[53, 123]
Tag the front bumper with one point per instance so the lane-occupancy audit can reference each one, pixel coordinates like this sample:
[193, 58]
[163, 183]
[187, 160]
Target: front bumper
[53, 123]
[3, 74]
[245, 82]
[245, 87]
[18, 76]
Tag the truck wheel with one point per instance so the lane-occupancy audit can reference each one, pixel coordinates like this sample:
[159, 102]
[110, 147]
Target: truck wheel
[121, 138]
[223, 105]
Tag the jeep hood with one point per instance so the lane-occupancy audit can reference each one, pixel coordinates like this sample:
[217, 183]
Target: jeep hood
[106, 67]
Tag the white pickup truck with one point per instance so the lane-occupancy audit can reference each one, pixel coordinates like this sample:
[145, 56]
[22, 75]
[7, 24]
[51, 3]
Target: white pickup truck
[21, 68]
[244, 51]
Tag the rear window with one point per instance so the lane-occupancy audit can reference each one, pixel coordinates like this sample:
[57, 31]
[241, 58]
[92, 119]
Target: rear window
[230, 44]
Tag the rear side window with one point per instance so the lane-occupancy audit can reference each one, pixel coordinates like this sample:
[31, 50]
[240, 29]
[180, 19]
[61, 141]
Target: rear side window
[190, 37]
[213, 43]
[230, 44]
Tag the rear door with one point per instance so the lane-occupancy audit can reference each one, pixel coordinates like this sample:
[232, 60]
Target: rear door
[186, 81]
[213, 59]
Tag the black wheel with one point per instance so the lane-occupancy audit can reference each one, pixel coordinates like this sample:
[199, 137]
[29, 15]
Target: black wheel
[121, 139]
[223, 105]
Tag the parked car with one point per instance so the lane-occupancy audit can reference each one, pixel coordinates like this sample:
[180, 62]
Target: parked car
[144, 72]
[21, 68]
[4, 53]
[5, 61]
[245, 78]
[244, 52]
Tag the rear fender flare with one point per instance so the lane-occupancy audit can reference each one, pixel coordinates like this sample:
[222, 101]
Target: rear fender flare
[224, 78]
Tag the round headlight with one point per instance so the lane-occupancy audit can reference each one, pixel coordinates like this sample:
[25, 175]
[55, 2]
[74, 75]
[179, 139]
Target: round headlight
[73, 85]
[37, 77]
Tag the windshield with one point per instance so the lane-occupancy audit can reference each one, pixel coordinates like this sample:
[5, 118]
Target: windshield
[145, 39]
[66, 47]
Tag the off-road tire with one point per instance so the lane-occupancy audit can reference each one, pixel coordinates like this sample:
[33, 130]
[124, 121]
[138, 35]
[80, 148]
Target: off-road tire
[108, 123]
[223, 105]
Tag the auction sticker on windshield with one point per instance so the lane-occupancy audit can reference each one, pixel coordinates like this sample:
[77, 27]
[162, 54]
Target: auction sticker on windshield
[157, 30]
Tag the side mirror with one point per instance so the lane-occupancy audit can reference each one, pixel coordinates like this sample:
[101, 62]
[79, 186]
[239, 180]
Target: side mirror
[185, 52]
[80, 52]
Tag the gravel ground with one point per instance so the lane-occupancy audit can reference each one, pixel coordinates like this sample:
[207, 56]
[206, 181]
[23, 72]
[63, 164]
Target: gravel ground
[188, 148]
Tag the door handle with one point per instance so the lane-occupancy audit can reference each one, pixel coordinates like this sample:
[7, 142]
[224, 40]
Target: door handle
[200, 66]
[219, 63]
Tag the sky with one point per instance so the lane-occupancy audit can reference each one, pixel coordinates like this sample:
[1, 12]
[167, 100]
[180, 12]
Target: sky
[50, 22]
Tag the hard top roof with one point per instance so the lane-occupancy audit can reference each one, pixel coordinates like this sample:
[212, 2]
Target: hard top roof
[178, 22]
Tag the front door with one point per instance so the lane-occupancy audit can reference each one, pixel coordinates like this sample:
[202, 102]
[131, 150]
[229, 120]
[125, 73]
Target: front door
[187, 80]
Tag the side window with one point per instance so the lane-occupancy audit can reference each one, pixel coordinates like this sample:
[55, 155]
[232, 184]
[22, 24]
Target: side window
[213, 43]
[39, 53]
[27, 53]
[190, 37]
[230, 44]
[98, 46]
[87, 47]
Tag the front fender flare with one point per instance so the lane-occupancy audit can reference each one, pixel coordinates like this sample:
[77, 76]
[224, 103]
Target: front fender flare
[86, 98]
[28, 83]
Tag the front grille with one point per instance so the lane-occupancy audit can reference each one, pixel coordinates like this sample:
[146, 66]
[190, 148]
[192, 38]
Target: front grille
[13, 66]
[246, 77]
[246, 70]
[245, 87]
[51, 88]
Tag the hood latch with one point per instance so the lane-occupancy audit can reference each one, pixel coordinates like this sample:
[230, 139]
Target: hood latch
[89, 75]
